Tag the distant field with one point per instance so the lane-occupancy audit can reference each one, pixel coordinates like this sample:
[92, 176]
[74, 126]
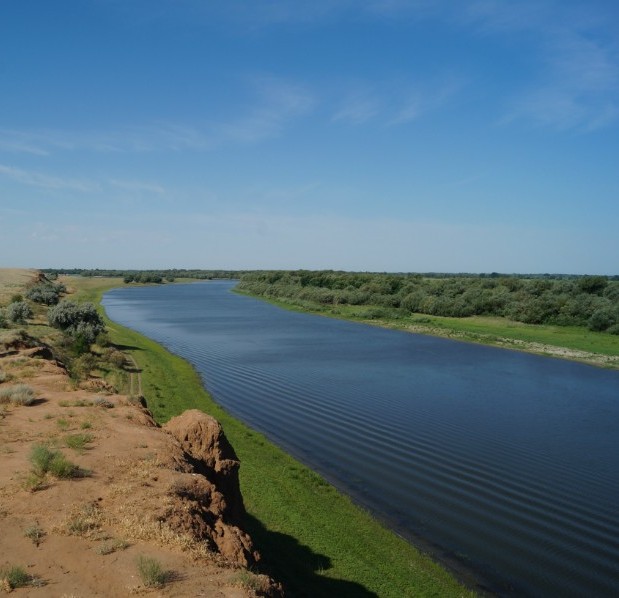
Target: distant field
[13, 281]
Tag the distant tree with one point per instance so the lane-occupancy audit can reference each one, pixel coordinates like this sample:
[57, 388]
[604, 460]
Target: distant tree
[593, 284]
[602, 319]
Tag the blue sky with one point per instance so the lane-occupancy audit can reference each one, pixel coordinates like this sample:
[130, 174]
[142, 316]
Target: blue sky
[382, 135]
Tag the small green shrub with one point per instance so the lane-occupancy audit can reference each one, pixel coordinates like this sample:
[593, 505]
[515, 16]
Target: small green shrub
[45, 460]
[15, 577]
[78, 442]
[4, 376]
[18, 394]
[152, 573]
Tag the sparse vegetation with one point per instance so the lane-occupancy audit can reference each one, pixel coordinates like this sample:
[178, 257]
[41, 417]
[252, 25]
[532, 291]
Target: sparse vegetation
[151, 572]
[101, 402]
[18, 394]
[112, 546]
[85, 521]
[78, 442]
[15, 577]
[35, 533]
[45, 460]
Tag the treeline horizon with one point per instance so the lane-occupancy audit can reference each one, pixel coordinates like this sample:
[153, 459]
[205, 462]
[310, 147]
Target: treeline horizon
[199, 273]
[564, 300]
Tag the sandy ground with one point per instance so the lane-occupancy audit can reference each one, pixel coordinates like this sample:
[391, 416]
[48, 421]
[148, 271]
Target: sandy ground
[83, 536]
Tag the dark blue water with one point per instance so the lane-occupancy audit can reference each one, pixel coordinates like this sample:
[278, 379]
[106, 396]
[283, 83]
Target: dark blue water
[506, 460]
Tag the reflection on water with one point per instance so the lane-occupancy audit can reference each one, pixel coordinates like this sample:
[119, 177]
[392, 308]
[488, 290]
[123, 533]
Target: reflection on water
[507, 460]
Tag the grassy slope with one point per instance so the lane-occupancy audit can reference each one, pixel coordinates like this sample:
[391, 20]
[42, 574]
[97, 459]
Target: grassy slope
[313, 538]
[486, 330]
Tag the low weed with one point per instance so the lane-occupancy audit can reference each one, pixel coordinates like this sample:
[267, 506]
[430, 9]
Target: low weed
[35, 533]
[75, 403]
[85, 425]
[112, 546]
[18, 394]
[78, 442]
[45, 460]
[251, 581]
[15, 577]
[151, 571]
[101, 402]
[87, 520]
[62, 423]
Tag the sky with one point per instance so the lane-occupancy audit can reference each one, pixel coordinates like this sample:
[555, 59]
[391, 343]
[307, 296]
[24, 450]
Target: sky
[367, 135]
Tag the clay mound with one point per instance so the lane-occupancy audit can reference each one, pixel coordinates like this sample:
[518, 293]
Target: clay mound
[212, 504]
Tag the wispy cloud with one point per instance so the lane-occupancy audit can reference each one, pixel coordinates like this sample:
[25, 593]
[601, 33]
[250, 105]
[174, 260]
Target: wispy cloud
[277, 102]
[137, 186]
[357, 108]
[579, 83]
[395, 102]
[37, 179]
[162, 136]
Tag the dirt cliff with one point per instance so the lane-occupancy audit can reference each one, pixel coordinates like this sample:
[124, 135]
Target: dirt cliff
[133, 494]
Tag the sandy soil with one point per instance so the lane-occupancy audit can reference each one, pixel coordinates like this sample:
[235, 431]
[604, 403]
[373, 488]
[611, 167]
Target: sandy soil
[83, 536]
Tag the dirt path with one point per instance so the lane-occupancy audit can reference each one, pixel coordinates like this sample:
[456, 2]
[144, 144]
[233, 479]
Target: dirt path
[135, 377]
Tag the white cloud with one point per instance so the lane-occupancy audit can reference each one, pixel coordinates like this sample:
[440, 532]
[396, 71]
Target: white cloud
[36, 179]
[578, 86]
[278, 102]
[357, 109]
[139, 186]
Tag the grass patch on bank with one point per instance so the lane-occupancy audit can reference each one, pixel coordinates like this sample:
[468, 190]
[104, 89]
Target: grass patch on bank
[312, 538]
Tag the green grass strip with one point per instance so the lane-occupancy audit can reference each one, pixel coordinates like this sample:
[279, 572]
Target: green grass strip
[312, 538]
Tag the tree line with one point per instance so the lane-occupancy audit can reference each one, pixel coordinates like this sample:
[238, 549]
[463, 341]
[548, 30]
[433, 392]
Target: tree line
[156, 276]
[564, 300]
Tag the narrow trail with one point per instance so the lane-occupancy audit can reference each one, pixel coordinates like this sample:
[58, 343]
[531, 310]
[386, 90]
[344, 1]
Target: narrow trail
[135, 373]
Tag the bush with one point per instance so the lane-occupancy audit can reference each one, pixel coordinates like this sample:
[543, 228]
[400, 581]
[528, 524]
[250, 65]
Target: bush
[152, 573]
[80, 321]
[601, 320]
[18, 312]
[45, 460]
[15, 577]
[18, 394]
[46, 293]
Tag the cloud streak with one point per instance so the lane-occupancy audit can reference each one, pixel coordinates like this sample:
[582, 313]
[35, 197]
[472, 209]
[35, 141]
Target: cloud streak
[44, 181]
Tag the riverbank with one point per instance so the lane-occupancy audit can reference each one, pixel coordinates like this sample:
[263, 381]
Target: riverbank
[565, 342]
[313, 539]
